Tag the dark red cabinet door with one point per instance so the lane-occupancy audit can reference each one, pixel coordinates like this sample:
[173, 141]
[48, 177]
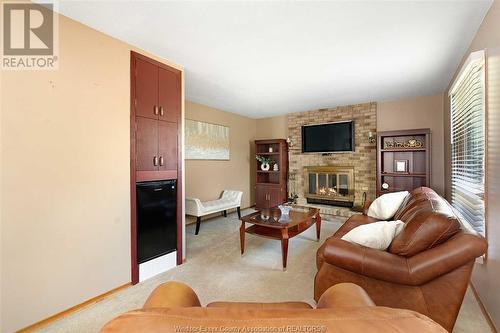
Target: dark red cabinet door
[146, 89]
[167, 145]
[275, 196]
[261, 196]
[147, 158]
[169, 95]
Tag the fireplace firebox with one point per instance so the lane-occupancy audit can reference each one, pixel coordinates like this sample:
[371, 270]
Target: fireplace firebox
[330, 185]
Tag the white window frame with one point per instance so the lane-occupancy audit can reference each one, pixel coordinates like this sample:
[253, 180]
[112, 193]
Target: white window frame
[474, 57]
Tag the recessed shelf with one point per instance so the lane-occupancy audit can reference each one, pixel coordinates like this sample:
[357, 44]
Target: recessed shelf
[402, 149]
[270, 171]
[401, 174]
[273, 153]
[394, 151]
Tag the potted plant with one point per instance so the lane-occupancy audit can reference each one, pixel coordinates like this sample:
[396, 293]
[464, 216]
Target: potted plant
[265, 162]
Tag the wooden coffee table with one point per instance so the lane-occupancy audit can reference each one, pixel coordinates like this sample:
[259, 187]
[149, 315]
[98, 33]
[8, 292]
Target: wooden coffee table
[280, 227]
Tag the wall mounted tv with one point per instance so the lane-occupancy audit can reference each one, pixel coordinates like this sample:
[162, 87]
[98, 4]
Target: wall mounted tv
[328, 138]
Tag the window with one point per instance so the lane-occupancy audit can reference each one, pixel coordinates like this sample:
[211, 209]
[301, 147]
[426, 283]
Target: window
[468, 141]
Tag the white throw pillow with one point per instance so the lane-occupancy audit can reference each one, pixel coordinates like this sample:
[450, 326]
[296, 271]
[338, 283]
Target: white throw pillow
[377, 235]
[385, 206]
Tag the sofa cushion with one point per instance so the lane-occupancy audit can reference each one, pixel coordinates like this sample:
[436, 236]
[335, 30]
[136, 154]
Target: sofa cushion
[378, 235]
[384, 207]
[429, 221]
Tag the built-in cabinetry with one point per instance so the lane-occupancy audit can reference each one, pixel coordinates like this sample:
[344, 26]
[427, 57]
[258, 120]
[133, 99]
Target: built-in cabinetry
[403, 160]
[271, 185]
[156, 105]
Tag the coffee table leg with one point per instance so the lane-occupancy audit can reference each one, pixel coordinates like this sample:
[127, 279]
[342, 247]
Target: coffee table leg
[318, 226]
[284, 246]
[242, 237]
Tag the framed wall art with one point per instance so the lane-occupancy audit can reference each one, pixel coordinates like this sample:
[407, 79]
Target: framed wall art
[205, 141]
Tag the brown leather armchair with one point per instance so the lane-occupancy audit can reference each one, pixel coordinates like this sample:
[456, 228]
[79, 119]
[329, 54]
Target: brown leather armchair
[426, 268]
[174, 307]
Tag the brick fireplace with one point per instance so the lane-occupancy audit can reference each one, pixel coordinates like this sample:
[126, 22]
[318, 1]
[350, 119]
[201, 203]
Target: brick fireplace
[362, 161]
[329, 185]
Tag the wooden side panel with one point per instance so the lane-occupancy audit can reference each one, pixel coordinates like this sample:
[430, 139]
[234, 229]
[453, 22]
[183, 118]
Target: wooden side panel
[169, 95]
[167, 145]
[146, 144]
[146, 89]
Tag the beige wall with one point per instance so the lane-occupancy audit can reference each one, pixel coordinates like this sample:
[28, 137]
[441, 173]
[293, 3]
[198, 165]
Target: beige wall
[485, 276]
[206, 179]
[418, 112]
[65, 176]
[272, 127]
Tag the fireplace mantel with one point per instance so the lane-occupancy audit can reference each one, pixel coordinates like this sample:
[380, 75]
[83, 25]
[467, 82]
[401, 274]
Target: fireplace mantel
[332, 185]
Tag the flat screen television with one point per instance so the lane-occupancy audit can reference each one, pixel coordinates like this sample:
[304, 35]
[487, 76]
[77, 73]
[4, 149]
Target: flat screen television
[328, 138]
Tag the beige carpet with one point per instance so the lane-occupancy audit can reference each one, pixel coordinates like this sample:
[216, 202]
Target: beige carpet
[216, 271]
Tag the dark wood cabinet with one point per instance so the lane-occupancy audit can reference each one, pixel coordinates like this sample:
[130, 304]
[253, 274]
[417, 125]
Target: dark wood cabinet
[145, 99]
[146, 136]
[155, 151]
[403, 160]
[168, 96]
[167, 145]
[271, 185]
[267, 196]
[261, 196]
[156, 105]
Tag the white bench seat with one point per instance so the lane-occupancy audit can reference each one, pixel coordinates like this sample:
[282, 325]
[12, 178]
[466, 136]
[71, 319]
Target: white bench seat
[228, 200]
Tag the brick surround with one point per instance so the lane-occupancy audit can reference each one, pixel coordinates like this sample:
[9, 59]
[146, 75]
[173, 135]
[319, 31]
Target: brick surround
[363, 159]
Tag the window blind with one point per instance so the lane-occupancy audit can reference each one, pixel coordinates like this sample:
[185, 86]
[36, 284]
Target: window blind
[468, 144]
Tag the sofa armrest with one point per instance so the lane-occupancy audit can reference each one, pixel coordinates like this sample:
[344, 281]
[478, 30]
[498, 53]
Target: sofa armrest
[172, 295]
[459, 250]
[193, 206]
[344, 294]
[413, 271]
[377, 264]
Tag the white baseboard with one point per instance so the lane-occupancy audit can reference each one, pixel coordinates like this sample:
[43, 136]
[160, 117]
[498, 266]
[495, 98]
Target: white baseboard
[156, 266]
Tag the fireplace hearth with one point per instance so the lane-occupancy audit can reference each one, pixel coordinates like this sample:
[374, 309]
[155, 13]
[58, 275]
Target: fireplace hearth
[331, 185]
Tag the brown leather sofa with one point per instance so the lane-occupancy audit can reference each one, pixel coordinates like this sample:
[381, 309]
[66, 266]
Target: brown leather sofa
[174, 307]
[426, 268]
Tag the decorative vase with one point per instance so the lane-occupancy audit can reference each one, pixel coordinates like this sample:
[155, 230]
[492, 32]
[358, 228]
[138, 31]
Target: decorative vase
[275, 167]
[265, 166]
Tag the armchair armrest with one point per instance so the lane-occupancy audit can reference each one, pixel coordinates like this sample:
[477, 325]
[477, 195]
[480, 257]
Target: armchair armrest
[193, 206]
[414, 271]
[233, 196]
[172, 295]
[344, 294]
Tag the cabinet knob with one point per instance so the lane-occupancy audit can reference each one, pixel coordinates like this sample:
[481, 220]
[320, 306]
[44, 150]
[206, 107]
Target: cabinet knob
[155, 110]
[161, 160]
[161, 111]
[155, 160]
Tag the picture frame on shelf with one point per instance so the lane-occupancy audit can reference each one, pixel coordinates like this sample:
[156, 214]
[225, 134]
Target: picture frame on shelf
[401, 166]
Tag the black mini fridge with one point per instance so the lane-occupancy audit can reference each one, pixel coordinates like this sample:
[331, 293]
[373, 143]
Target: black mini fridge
[156, 219]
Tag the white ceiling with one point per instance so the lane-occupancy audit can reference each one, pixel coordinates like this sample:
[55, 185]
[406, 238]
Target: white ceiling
[267, 58]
